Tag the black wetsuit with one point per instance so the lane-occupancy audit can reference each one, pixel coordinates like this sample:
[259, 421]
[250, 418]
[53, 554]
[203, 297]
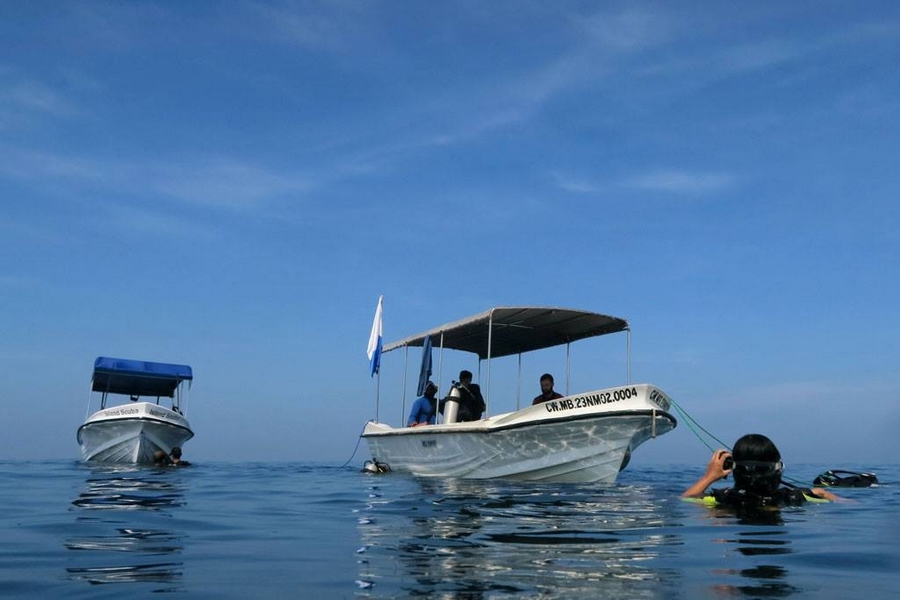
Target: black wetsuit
[783, 496]
[471, 403]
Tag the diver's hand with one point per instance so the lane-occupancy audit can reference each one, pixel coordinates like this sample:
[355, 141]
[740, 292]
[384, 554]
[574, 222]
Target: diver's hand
[715, 469]
[824, 494]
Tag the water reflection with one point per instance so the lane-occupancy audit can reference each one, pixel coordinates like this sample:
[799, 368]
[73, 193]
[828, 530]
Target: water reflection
[469, 539]
[768, 581]
[763, 534]
[125, 514]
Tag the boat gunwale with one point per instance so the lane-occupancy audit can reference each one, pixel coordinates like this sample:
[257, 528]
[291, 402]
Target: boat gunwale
[124, 419]
[444, 428]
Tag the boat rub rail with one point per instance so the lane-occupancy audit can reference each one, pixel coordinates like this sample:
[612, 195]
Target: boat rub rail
[471, 427]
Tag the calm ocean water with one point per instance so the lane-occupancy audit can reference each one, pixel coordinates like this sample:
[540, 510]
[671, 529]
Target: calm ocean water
[223, 530]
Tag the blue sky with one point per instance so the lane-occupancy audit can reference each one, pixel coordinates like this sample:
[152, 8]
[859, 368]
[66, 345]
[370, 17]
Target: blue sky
[232, 185]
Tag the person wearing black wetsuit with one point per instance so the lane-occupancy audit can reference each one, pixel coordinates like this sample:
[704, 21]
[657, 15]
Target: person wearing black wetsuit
[471, 403]
[756, 465]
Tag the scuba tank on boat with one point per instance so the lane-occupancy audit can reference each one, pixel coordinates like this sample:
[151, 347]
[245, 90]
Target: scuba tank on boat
[450, 404]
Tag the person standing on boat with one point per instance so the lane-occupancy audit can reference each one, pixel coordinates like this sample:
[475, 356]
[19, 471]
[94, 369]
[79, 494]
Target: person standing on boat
[424, 409]
[547, 392]
[471, 402]
[756, 465]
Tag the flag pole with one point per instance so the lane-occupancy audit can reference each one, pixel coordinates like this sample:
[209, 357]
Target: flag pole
[373, 351]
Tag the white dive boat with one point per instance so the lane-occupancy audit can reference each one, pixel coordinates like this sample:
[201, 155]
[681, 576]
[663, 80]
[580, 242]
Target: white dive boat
[583, 437]
[133, 431]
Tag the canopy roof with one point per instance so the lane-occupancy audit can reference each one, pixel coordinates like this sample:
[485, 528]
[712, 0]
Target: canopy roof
[138, 377]
[516, 329]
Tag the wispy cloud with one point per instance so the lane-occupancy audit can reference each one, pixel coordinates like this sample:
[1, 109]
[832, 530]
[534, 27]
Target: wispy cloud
[117, 25]
[602, 40]
[576, 184]
[34, 96]
[477, 127]
[226, 183]
[481, 106]
[39, 166]
[630, 30]
[668, 181]
[679, 182]
[17, 230]
[158, 197]
[342, 28]
[155, 222]
[15, 282]
[223, 183]
[619, 45]
[23, 102]
[758, 56]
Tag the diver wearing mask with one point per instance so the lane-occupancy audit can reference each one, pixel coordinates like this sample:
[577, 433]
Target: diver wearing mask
[756, 465]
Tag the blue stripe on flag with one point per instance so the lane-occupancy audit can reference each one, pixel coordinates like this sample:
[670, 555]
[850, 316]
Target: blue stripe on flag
[375, 340]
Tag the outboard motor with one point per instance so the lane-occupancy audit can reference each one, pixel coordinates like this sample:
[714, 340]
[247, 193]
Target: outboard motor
[451, 405]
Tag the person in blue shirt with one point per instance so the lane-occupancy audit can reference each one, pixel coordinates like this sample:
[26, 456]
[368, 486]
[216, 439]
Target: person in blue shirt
[423, 409]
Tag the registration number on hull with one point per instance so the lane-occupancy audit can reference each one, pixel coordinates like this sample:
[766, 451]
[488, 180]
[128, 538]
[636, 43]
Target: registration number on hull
[594, 399]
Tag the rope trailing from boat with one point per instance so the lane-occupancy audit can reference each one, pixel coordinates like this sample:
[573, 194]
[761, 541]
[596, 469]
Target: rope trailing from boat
[358, 440]
[693, 425]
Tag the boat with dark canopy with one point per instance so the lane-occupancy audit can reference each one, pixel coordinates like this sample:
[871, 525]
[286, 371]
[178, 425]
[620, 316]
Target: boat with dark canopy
[583, 437]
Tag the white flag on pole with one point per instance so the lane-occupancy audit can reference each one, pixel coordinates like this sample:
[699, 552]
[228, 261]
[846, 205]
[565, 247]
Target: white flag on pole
[375, 340]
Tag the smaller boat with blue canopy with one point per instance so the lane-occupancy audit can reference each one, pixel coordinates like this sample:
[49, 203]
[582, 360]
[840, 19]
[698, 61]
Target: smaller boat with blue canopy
[141, 411]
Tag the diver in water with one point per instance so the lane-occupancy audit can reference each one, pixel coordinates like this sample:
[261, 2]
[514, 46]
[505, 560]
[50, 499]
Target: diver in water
[175, 459]
[756, 465]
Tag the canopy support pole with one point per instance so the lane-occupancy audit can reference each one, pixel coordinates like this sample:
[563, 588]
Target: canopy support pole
[437, 412]
[487, 400]
[568, 364]
[403, 400]
[519, 382]
[628, 356]
[87, 411]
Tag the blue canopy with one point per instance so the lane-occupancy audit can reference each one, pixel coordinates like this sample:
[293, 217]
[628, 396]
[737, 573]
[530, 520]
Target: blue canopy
[138, 377]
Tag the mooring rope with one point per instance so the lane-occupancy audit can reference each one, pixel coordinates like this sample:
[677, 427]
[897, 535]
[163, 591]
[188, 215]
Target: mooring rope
[358, 440]
[693, 425]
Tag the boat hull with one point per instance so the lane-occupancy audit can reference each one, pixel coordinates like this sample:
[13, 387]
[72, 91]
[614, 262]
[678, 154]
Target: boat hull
[582, 438]
[131, 434]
